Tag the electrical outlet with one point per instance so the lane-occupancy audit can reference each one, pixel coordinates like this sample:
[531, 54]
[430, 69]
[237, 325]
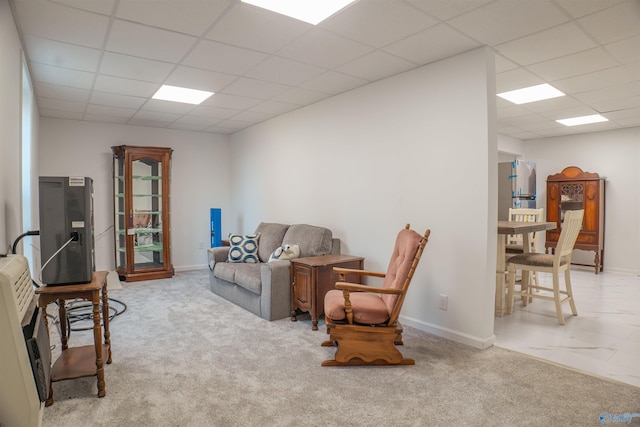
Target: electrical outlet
[201, 245]
[443, 303]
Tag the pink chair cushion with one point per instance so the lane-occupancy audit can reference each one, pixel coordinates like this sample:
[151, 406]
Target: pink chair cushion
[401, 259]
[368, 308]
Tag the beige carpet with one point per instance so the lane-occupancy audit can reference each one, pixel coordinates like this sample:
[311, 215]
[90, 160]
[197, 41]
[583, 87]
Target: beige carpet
[185, 357]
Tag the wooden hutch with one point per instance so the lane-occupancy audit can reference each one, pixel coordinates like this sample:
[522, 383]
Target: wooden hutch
[573, 189]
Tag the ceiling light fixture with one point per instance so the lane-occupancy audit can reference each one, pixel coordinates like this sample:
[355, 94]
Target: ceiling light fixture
[531, 94]
[181, 94]
[311, 11]
[583, 120]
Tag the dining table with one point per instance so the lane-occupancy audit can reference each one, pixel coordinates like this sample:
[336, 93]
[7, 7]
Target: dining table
[506, 228]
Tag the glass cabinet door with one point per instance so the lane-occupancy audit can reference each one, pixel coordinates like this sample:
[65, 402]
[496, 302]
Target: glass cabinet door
[571, 198]
[146, 215]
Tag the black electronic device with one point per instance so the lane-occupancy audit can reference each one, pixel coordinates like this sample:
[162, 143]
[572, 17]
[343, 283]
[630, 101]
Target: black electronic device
[66, 229]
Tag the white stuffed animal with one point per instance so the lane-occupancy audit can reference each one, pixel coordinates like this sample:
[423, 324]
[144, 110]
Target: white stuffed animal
[285, 252]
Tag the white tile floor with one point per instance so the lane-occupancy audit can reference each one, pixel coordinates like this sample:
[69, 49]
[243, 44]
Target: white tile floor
[604, 339]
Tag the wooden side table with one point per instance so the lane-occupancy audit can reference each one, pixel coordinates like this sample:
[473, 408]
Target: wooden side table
[88, 360]
[313, 277]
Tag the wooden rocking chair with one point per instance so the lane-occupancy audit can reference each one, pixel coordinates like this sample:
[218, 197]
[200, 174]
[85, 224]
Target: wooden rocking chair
[363, 320]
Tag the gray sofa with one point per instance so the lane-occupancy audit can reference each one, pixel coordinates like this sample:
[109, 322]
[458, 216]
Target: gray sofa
[263, 288]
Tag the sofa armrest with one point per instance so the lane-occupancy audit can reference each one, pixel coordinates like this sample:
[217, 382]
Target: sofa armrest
[276, 289]
[218, 254]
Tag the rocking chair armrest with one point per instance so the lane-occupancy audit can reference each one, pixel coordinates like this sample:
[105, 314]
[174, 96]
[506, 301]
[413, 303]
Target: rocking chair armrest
[341, 270]
[364, 288]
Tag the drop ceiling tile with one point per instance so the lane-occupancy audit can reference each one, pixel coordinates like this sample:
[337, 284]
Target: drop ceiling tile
[273, 108]
[299, 96]
[114, 100]
[105, 119]
[573, 65]
[194, 127]
[131, 67]
[625, 51]
[553, 104]
[256, 29]
[285, 71]
[333, 83]
[421, 49]
[378, 23]
[323, 49]
[220, 57]
[568, 113]
[252, 116]
[609, 93]
[254, 88]
[61, 54]
[210, 113]
[197, 121]
[233, 125]
[60, 104]
[615, 23]
[153, 118]
[617, 104]
[49, 20]
[162, 106]
[544, 45]
[511, 110]
[196, 78]
[516, 79]
[600, 79]
[147, 42]
[235, 102]
[445, 10]
[104, 7]
[61, 114]
[189, 17]
[579, 8]
[104, 110]
[67, 93]
[61, 76]
[634, 70]
[376, 65]
[122, 86]
[503, 64]
[505, 20]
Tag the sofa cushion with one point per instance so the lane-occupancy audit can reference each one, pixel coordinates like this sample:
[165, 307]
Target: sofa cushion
[271, 235]
[313, 241]
[244, 248]
[246, 275]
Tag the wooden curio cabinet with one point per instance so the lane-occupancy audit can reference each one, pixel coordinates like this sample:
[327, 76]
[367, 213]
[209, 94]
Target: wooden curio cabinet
[141, 208]
[573, 189]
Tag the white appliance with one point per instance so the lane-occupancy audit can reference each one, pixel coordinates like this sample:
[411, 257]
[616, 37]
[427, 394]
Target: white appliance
[516, 186]
[25, 357]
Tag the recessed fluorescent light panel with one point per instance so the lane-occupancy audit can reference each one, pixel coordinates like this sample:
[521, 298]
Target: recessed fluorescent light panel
[583, 120]
[181, 94]
[311, 11]
[531, 94]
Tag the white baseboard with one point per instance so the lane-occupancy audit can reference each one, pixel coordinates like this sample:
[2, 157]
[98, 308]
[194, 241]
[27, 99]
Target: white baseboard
[451, 334]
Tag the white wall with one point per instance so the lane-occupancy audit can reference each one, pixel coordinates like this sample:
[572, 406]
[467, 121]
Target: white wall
[616, 156]
[415, 148]
[10, 143]
[199, 179]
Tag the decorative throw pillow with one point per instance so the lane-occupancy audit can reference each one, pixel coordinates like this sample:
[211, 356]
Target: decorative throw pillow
[285, 252]
[244, 248]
